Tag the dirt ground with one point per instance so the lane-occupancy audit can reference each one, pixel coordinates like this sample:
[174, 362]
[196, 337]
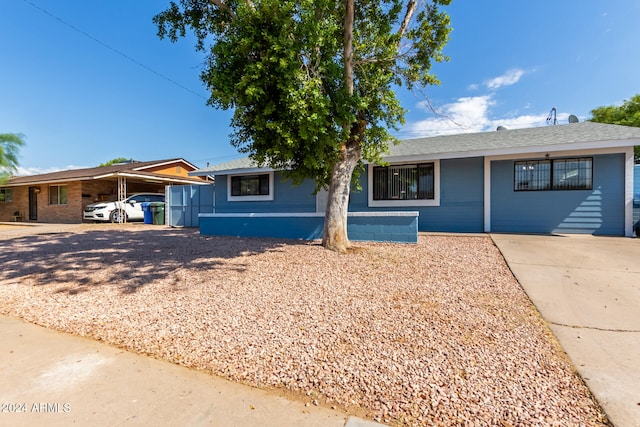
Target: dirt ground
[437, 333]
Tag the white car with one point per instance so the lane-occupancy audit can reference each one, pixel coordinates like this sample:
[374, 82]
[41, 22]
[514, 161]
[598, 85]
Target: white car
[131, 208]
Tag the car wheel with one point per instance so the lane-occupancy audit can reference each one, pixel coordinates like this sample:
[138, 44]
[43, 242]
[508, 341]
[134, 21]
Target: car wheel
[118, 216]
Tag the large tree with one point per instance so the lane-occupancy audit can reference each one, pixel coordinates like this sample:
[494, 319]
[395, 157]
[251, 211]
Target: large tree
[627, 114]
[312, 82]
[10, 144]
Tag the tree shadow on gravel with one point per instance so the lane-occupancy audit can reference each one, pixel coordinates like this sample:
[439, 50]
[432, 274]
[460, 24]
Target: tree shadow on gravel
[129, 259]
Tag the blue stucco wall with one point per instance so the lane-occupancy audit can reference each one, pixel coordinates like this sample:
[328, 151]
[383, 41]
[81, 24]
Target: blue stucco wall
[636, 186]
[461, 198]
[598, 211]
[636, 199]
[287, 198]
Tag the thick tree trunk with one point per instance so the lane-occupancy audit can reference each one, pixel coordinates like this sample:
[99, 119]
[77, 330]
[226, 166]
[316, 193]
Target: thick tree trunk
[335, 222]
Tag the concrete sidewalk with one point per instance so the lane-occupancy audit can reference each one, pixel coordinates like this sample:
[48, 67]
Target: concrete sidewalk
[588, 290]
[49, 378]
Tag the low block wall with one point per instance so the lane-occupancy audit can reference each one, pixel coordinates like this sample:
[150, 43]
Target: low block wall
[401, 227]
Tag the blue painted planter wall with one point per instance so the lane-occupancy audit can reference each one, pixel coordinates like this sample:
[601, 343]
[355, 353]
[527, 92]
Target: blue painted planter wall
[393, 228]
[597, 211]
[285, 227]
[360, 227]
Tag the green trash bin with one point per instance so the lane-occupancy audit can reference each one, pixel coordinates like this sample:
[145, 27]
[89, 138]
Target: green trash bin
[157, 212]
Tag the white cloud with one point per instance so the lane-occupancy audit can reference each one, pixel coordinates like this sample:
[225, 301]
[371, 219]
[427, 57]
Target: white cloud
[519, 122]
[472, 114]
[22, 171]
[470, 111]
[468, 114]
[507, 79]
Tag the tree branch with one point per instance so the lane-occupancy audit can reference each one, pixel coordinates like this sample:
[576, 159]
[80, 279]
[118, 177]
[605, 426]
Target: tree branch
[222, 5]
[402, 52]
[411, 8]
[377, 60]
[348, 45]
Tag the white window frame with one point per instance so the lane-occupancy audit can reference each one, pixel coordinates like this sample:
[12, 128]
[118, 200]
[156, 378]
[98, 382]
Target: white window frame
[406, 203]
[262, 198]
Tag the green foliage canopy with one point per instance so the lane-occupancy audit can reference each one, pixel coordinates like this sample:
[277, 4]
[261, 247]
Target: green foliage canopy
[279, 64]
[10, 144]
[114, 161]
[627, 114]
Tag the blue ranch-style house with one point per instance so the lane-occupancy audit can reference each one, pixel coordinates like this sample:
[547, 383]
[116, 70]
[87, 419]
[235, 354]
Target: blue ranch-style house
[573, 178]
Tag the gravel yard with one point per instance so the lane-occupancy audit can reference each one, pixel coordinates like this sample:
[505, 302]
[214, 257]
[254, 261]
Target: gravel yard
[438, 333]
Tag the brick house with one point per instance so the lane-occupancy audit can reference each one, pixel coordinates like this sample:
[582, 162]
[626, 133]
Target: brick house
[61, 197]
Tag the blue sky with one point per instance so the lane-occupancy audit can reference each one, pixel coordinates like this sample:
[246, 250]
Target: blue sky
[109, 87]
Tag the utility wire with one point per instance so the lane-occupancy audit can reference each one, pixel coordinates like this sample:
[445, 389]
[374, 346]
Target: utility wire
[105, 45]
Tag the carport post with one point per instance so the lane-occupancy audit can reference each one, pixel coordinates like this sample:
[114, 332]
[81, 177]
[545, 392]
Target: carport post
[122, 194]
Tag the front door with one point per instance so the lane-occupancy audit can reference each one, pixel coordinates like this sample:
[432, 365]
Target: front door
[33, 204]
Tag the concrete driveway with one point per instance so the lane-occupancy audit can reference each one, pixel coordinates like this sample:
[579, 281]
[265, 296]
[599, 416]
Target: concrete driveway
[588, 290]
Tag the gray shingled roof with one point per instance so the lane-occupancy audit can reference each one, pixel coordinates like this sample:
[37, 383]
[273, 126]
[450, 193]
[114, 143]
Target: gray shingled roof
[238, 164]
[492, 143]
[538, 137]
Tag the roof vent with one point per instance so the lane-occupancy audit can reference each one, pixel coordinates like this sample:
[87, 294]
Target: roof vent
[126, 162]
[501, 128]
[573, 119]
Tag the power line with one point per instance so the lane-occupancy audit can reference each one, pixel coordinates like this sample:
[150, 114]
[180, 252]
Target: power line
[116, 51]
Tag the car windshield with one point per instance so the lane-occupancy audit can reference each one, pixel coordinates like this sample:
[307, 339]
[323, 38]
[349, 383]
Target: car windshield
[147, 198]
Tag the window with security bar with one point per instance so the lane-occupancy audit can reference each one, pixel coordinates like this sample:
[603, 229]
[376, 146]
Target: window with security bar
[403, 182]
[553, 174]
[573, 174]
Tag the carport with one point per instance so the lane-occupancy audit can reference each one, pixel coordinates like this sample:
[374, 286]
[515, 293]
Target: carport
[61, 197]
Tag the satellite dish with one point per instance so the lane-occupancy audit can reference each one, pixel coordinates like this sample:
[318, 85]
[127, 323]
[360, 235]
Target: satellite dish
[501, 128]
[573, 119]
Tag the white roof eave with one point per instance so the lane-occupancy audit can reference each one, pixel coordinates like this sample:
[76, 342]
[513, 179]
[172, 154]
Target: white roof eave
[241, 171]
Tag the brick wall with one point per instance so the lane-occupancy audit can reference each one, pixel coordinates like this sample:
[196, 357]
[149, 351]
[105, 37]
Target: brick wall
[19, 204]
[69, 213]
